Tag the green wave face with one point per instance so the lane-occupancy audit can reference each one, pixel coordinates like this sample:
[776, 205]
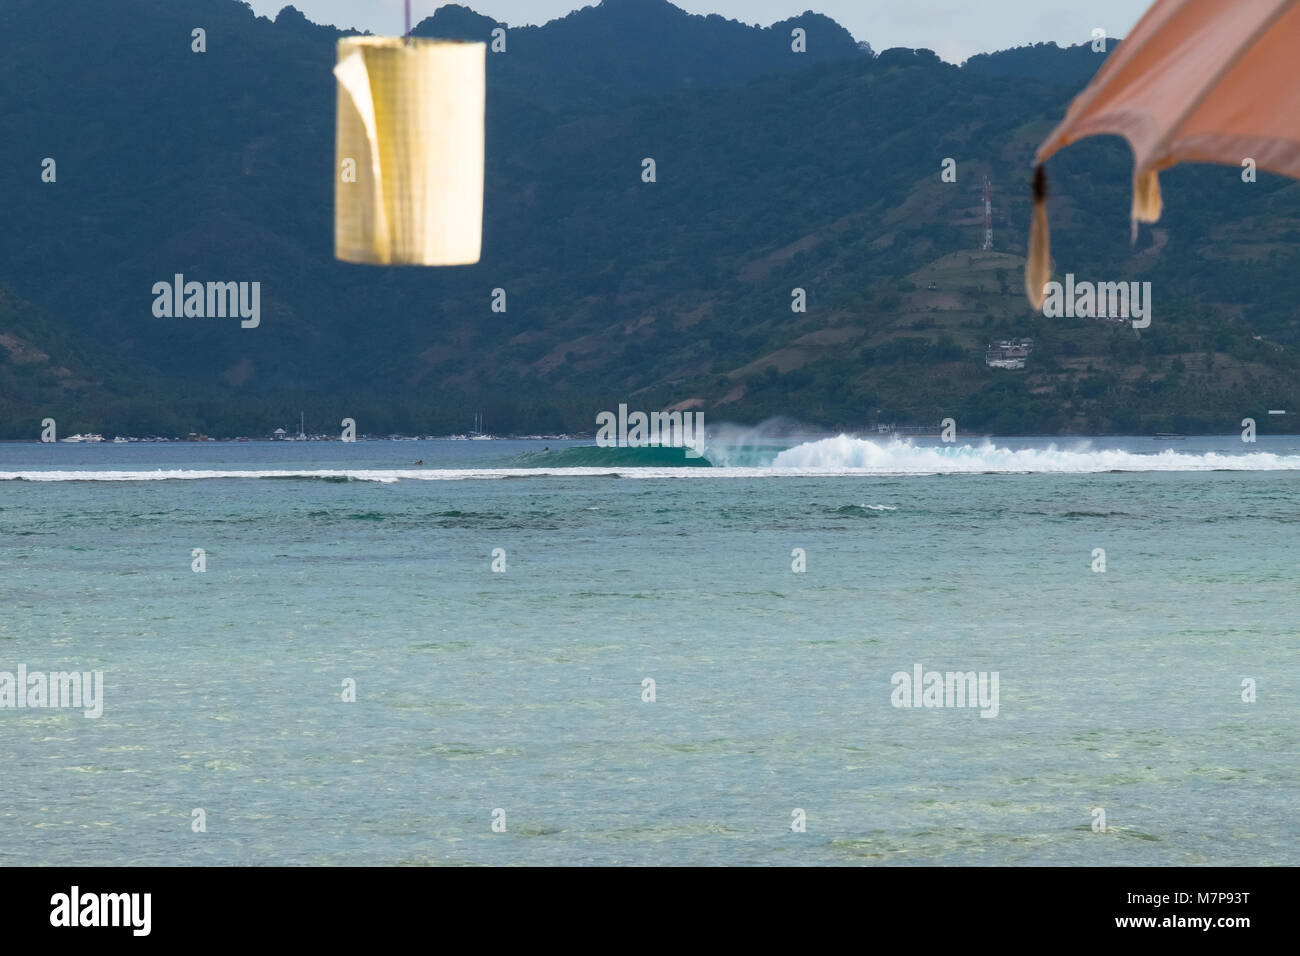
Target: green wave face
[593, 456]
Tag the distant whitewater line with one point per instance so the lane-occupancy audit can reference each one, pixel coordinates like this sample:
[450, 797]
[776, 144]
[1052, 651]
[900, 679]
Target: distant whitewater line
[858, 455]
[830, 457]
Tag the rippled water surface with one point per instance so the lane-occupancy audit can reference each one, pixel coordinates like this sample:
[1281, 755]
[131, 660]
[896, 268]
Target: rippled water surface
[522, 690]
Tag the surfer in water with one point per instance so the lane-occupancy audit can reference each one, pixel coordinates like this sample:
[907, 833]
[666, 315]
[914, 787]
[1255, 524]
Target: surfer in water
[420, 462]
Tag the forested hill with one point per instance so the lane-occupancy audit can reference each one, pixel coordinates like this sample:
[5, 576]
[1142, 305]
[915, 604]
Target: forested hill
[775, 171]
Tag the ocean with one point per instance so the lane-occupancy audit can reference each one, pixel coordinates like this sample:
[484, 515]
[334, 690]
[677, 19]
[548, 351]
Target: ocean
[601, 656]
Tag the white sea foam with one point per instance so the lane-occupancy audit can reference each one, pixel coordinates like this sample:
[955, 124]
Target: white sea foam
[845, 455]
[827, 457]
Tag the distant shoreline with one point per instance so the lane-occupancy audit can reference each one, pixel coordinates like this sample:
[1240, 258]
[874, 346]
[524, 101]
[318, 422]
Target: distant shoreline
[239, 439]
[811, 435]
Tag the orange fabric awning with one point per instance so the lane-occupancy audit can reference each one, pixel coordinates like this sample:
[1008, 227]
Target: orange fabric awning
[1209, 81]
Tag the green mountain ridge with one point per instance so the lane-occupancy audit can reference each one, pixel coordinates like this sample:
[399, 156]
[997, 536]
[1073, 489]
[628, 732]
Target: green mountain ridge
[776, 171]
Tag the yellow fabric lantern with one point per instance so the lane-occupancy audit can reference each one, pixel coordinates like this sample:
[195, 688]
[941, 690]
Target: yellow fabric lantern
[409, 151]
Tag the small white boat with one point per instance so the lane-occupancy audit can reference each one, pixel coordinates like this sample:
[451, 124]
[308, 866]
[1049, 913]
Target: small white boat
[83, 438]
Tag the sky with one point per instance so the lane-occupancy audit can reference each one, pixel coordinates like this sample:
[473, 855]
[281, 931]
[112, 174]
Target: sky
[954, 29]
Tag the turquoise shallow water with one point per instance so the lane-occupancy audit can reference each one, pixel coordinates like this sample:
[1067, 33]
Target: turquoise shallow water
[522, 690]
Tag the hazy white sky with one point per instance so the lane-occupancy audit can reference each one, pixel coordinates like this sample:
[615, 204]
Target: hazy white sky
[952, 28]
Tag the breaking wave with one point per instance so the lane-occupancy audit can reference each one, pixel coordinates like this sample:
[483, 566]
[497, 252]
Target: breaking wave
[859, 455]
[842, 455]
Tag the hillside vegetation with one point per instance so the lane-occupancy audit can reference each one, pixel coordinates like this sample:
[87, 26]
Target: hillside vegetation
[776, 171]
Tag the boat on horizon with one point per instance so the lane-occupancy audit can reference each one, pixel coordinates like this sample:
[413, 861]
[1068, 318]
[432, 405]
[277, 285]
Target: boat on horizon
[477, 434]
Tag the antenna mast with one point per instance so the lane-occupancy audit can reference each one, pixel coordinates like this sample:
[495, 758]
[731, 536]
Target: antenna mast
[988, 218]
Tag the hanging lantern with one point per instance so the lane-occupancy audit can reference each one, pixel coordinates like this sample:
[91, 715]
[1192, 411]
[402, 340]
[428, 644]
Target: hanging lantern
[410, 132]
